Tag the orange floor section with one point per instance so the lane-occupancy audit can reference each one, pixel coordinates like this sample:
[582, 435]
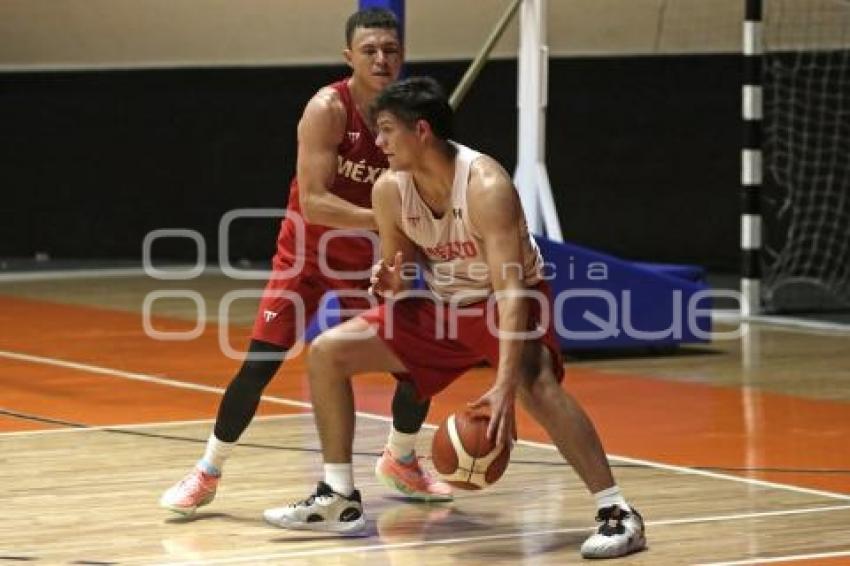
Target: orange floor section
[638, 416]
[838, 561]
[83, 397]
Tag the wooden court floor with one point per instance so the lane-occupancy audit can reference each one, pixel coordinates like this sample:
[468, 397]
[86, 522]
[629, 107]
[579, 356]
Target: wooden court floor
[737, 452]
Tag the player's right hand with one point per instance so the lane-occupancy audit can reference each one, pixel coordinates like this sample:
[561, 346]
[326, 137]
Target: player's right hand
[499, 402]
[386, 277]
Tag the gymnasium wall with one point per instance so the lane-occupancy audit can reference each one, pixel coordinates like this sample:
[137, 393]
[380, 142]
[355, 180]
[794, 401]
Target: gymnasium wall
[166, 33]
[124, 116]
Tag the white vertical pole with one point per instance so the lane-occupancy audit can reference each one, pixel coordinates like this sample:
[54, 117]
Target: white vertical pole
[528, 95]
[530, 176]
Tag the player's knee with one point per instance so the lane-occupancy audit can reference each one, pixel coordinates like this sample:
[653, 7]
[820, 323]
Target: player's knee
[530, 366]
[326, 349]
[321, 349]
[538, 386]
[528, 391]
[259, 366]
[254, 376]
[262, 368]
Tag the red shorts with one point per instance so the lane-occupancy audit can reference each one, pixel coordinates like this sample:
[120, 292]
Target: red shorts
[438, 343]
[288, 303]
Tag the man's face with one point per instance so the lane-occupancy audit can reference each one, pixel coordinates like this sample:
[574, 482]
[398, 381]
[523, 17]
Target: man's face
[399, 142]
[375, 56]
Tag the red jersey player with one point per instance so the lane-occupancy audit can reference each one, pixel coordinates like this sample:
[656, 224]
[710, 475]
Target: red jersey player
[337, 164]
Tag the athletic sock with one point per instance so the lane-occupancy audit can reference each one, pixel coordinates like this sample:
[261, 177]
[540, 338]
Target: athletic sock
[215, 455]
[340, 477]
[402, 445]
[609, 497]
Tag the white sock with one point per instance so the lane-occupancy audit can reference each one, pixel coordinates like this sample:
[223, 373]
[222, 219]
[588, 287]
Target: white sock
[340, 477]
[609, 497]
[216, 453]
[401, 444]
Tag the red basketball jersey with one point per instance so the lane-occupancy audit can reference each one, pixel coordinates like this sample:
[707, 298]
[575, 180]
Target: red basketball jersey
[359, 163]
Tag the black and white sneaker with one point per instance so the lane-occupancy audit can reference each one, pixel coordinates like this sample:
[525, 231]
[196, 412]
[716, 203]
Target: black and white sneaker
[621, 533]
[325, 510]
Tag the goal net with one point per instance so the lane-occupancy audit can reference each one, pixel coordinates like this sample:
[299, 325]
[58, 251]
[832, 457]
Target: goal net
[806, 92]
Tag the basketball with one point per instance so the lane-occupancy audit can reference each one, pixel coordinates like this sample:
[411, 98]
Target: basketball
[464, 456]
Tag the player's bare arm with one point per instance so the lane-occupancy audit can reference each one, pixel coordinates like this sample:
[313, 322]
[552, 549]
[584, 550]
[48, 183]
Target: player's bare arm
[496, 214]
[396, 248]
[320, 131]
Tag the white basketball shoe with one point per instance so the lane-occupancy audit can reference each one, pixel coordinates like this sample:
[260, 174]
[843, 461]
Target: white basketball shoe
[621, 533]
[325, 510]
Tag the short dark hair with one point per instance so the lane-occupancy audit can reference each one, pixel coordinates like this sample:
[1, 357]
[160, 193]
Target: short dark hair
[417, 98]
[370, 18]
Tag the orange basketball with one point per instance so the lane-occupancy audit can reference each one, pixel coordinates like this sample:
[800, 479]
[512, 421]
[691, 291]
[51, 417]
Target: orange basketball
[464, 456]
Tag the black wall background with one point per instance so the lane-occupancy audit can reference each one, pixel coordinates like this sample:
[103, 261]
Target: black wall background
[643, 153]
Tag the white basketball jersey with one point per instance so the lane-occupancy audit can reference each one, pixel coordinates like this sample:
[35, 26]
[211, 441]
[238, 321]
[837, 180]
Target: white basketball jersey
[455, 265]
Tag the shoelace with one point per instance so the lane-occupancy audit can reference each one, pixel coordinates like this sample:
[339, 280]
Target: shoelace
[415, 468]
[415, 471]
[608, 514]
[321, 491]
[304, 502]
[194, 482]
[423, 473]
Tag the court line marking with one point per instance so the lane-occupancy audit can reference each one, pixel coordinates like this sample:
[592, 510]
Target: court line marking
[60, 275]
[710, 474]
[131, 426]
[139, 377]
[503, 536]
[784, 322]
[94, 273]
[302, 404]
[787, 558]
